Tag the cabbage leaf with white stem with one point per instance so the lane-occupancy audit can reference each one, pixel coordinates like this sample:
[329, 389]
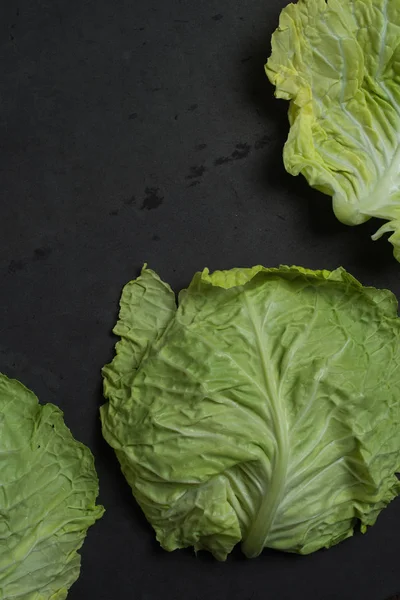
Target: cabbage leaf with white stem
[263, 409]
[338, 63]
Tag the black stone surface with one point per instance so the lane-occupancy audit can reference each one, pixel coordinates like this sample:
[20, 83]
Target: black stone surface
[145, 130]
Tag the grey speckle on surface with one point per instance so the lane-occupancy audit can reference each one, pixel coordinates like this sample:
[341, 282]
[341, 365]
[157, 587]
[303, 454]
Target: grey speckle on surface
[196, 171]
[42, 253]
[262, 142]
[15, 266]
[152, 198]
[242, 150]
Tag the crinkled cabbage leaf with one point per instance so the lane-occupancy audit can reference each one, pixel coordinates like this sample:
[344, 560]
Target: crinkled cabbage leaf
[338, 62]
[48, 490]
[263, 409]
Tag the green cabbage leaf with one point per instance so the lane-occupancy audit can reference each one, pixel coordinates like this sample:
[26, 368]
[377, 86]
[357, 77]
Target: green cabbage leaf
[338, 63]
[265, 408]
[48, 490]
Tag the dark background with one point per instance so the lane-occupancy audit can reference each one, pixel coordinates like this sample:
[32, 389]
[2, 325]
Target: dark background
[146, 130]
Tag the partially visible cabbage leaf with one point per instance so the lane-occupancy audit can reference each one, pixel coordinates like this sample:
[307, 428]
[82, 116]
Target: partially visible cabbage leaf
[48, 490]
[338, 62]
[264, 409]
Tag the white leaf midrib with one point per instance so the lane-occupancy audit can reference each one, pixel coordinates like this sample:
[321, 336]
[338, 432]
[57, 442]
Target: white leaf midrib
[255, 538]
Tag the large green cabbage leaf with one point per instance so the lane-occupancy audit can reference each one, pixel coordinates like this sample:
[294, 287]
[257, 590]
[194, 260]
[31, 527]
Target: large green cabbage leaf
[265, 408]
[338, 62]
[48, 490]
